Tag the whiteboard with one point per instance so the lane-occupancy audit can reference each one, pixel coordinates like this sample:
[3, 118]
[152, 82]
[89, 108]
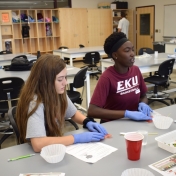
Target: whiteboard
[170, 20]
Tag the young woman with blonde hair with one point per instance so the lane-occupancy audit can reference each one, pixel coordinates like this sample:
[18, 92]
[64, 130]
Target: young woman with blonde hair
[43, 106]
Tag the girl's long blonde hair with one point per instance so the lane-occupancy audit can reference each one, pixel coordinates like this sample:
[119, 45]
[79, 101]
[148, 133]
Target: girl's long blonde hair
[41, 82]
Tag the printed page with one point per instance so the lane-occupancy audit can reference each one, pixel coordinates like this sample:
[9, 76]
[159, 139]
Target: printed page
[44, 174]
[166, 167]
[90, 152]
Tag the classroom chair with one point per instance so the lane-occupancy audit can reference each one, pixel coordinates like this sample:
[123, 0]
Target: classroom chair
[13, 128]
[5, 52]
[75, 96]
[81, 46]
[148, 51]
[91, 59]
[9, 92]
[162, 79]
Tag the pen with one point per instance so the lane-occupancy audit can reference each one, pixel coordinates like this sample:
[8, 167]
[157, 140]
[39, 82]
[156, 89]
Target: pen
[152, 133]
[20, 157]
[122, 133]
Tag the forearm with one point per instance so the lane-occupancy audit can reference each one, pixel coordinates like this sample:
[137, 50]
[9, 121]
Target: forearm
[78, 118]
[100, 113]
[40, 142]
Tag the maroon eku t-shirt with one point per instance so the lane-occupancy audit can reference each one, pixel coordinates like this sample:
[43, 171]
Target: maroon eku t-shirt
[116, 91]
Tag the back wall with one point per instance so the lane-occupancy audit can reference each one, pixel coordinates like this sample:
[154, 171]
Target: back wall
[159, 13]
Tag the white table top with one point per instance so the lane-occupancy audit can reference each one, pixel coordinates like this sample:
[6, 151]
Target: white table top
[80, 50]
[71, 71]
[112, 165]
[145, 61]
[9, 57]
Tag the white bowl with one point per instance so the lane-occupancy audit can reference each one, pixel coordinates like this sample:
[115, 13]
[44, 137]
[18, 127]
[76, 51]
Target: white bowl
[53, 153]
[137, 172]
[162, 122]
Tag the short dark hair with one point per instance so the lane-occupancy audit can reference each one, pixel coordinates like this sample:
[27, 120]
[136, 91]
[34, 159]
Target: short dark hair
[123, 14]
[112, 40]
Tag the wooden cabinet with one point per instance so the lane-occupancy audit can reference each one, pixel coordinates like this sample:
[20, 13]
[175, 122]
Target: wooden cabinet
[89, 27]
[38, 38]
[130, 17]
[99, 26]
[73, 27]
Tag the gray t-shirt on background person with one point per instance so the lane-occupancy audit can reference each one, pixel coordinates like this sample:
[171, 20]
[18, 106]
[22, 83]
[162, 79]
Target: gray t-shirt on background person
[36, 122]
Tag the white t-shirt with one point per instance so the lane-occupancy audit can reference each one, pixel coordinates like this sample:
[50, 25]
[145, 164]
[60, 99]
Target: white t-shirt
[36, 122]
[124, 25]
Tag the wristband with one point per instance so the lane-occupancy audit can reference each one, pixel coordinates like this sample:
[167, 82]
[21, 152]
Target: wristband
[86, 120]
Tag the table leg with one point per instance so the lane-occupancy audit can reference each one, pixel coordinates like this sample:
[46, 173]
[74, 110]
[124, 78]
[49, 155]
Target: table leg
[71, 61]
[87, 89]
[102, 67]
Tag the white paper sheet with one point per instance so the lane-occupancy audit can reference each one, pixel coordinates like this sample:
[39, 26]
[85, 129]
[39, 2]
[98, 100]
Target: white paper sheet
[44, 174]
[69, 68]
[166, 167]
[145, 55]
[90, 152]
[171, 55]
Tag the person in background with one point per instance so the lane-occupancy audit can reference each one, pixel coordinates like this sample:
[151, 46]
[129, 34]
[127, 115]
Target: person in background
[121, 90]
[123, 24]
[43, 106]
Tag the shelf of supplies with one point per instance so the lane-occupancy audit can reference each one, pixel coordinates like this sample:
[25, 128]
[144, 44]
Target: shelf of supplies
[47, 13]
[33, 14]
[49, 29]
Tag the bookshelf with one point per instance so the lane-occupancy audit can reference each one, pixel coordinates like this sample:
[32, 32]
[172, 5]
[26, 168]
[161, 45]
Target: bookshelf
[38, 39]
[73, 26]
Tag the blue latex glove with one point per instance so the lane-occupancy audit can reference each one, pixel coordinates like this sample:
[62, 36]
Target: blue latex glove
[143, 107]
[88, 137]
[96, 127]
[136, 115]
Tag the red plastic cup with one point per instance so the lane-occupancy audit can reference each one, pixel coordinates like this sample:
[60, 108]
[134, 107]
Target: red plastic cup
[133, 144]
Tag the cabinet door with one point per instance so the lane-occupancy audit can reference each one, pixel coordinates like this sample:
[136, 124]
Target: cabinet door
[94, 27]
[105, 24]
[66, 27]
[79, 17]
